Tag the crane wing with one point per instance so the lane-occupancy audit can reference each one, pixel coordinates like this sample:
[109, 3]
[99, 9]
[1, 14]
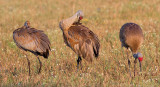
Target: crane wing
[31, 39]
[82, 35]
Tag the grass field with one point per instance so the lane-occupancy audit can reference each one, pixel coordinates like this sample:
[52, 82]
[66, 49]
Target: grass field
[105, 18]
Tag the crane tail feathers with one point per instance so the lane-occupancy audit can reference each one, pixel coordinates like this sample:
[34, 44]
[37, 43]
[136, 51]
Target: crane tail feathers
[46, 54]
[96, 52]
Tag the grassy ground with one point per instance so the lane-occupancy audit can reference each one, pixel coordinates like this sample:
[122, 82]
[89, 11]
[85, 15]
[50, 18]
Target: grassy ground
[105, 18]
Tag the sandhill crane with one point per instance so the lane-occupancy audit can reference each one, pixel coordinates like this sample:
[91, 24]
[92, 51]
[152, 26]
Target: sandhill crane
[79, 38]
[131, 36]
[32, 40]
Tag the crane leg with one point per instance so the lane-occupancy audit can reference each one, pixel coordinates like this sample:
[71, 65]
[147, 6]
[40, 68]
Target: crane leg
[40, 65]
[129, 63]
[28, 65]
[79, 62]
[135, 61]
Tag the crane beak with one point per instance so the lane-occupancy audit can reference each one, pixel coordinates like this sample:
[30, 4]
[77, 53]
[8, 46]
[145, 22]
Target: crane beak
[140, 60]
[140, 66]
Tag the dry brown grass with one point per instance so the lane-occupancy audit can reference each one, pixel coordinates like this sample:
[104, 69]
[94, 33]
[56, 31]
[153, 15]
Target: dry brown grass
[105, 18]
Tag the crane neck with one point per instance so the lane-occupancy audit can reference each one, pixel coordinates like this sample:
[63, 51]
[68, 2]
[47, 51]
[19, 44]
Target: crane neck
[66, 23]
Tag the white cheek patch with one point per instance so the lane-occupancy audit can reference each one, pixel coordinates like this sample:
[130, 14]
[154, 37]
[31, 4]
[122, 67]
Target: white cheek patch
[139, 54]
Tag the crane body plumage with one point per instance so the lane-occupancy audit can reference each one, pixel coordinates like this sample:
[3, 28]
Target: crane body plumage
[32, 40]
[79, 38]
[131, 36]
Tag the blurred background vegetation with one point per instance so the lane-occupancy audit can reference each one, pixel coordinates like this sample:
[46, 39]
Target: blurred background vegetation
[105, 18]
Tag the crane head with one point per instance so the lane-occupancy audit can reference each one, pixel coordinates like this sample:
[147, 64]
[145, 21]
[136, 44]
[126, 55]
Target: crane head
[139, 56]
[27, 24]
[80, 15]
